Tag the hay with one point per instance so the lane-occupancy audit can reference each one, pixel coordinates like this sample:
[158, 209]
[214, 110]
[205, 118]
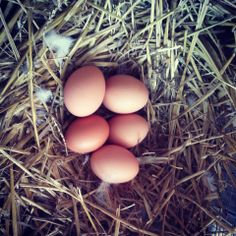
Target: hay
[178, 51]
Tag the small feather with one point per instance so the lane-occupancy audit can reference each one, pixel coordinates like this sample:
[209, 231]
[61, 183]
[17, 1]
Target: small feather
[43, 95]
[59, 44]
[209, 181]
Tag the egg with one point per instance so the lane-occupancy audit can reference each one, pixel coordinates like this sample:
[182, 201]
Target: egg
[127, 130]
[125, 94]
[87, 134]
[84, 91]
[114, 164]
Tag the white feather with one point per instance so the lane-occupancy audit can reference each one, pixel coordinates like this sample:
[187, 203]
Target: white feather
[59, 44]
[102, 195]
[210, 182]
[43, 95]
[86, 159]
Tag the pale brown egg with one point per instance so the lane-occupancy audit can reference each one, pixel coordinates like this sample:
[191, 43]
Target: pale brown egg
[125, 94]
[84, 91]
[87, 134]
[114, 164]
[127, 130]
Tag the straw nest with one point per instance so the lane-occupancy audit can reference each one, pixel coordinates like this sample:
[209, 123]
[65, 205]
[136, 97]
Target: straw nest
[183, 51]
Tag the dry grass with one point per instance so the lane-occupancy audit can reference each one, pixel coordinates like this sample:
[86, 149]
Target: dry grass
[177, 51]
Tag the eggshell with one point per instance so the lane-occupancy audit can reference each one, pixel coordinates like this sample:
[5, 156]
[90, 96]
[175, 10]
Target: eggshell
[87, 134]
[127, 130]
[84, 91]
[125, 94]
[114, 164]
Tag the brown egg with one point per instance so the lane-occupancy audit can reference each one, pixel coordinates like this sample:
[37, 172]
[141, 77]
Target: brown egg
[87, 134]
[114, 164]
[127, 130]
[84, 91]
[125, 94]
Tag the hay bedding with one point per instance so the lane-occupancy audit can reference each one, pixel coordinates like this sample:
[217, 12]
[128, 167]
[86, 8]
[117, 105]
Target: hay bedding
[184, 53]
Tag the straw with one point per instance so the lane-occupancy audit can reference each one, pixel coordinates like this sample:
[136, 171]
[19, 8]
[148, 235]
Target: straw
[177, 50]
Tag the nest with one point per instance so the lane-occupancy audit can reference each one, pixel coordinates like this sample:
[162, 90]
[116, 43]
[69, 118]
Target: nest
[184, 52]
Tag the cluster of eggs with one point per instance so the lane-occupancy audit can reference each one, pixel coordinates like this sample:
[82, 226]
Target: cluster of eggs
[85, 91]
